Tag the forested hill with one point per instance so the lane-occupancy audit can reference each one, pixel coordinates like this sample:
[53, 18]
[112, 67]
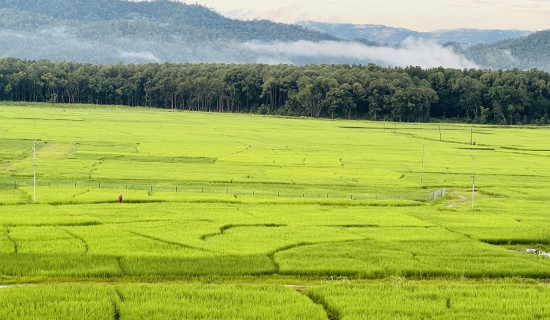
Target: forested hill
[387, 35]
[112, 31]
[152, 20]
[109, 31]
[155, 20]
[528, 52]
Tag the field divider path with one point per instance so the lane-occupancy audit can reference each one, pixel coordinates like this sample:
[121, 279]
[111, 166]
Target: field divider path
[10, 239]
[174, 243]
[470, 237]
[86, 246]
[272, 254]
[331, 313]
[241, 151]
[120, 266]
[119, 298]
[226, 227]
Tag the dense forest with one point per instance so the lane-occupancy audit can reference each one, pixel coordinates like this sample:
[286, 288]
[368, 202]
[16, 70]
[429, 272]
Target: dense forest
[369, 92]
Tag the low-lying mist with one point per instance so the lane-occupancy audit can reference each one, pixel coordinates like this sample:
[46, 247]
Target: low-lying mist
[410, 53]
[60, 45]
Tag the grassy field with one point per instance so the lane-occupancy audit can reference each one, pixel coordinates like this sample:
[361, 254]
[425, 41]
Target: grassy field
[225, 209]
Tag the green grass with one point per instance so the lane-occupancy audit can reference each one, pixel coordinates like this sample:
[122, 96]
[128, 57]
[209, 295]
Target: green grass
[216, 302]
[175, 301]
[57, 302]
[243, 198]
[410, 300]
[396, 299]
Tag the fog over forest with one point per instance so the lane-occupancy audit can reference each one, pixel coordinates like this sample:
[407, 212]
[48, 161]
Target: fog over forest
[58, 44]
[109, 32]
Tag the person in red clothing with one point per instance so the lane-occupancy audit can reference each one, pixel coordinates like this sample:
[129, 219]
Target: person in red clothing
[120, 198]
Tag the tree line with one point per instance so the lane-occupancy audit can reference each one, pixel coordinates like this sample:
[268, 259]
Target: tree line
[409, 94]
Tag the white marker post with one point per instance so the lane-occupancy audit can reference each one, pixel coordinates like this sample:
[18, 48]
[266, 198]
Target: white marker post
[34, 167]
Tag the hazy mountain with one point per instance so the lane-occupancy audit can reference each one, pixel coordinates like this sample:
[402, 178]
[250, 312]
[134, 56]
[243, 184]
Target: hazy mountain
[108, 31]
[532, 51]
[112, 31]
[388, 35]
[154, 19]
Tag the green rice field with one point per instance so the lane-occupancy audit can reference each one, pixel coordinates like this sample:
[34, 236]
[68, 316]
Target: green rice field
[230, 216]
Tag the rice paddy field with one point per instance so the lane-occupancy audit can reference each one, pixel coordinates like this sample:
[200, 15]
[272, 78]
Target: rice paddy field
[229, 216]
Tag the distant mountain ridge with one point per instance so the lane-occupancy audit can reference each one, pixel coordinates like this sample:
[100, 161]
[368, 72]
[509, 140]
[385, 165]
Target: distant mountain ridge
[109, 31]
[532, 51]
[387, 35]
[112, 31]
[166, 16]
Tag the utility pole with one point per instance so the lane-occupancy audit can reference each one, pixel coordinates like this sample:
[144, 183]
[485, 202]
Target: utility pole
[34, 167]
[472, 136]
[473, 181]
[422, 166]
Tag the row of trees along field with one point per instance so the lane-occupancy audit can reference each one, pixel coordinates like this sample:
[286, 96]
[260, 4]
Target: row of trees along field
[344, 91]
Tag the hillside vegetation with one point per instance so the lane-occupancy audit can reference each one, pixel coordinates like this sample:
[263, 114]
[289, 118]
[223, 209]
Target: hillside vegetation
[528, 52]
[152, 20]
[387, 35]
[109, 31]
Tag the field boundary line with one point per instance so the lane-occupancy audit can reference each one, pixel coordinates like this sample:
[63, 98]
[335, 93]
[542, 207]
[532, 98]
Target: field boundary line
[320, 301]
[14, 243]
[272, 254]
[122, 270]
[86, 246]
[226, 227]
[116, 311]
[174, 243]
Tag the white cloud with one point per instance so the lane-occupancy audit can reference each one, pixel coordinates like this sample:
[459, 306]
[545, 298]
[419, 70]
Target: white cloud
[138, 56]
[410, 53]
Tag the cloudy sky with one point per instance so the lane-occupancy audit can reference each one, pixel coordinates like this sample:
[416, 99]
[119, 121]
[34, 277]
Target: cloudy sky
[420, 15]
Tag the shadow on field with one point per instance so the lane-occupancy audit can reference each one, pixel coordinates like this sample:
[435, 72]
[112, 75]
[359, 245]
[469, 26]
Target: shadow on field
[79, 265]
